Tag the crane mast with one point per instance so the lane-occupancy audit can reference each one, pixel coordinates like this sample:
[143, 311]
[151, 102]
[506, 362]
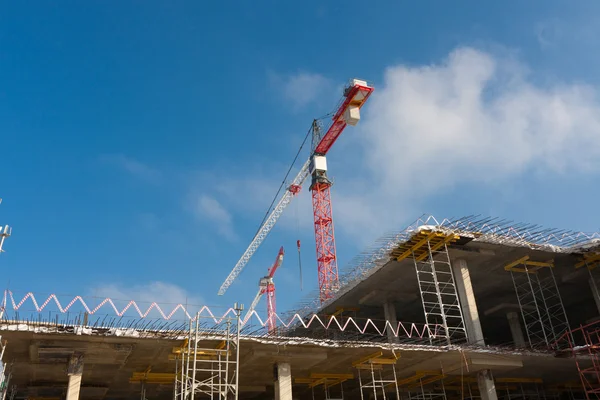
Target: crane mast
[355, 95]
[347, 113]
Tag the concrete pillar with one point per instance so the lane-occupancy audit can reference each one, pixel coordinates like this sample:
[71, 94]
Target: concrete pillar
[283, 382]
[595, 293]
[389, 310]
[485, 382]
[467, 302]
[75, 371]
[515, 329]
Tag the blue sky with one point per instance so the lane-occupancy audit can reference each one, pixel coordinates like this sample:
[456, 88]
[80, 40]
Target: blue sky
[142, 143]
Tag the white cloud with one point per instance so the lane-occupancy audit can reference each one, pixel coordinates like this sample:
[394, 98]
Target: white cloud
[473, 119]
[133, 167]
[210, 209]
[302, 88]
[166, 295]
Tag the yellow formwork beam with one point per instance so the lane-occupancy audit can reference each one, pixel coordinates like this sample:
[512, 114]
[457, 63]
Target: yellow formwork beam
[332, 376]
[316, 379]
[429, 380]
[377, 359]
[152, 377]
[526, 263]
[418, 376]
[589, 260]
[519, 380]
[429, 235]
[437, 245]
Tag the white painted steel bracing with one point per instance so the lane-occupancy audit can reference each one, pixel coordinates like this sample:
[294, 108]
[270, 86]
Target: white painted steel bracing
[541, 305]
[266, 227]
[439, 295]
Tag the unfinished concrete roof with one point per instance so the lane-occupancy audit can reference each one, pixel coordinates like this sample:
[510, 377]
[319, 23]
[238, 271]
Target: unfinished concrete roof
[478, 234]
[39, 354]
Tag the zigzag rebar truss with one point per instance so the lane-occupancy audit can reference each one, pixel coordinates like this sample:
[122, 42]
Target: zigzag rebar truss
[154, 318]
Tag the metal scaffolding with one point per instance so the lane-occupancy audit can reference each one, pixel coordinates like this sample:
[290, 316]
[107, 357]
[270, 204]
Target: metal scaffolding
[377, 377]
[211, 373]
[542, 308]
[429, 250]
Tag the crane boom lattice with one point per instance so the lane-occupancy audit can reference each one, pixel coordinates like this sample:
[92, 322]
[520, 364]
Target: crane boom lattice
[266, 227]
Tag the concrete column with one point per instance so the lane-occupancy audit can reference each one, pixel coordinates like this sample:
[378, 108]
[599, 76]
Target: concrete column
[389, 310]
[515, 329]
[485, 381]
[283, 382]
[595, 293]
[75, 371]
[467, 302]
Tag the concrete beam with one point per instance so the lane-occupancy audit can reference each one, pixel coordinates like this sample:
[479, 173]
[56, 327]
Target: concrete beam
[467, 302]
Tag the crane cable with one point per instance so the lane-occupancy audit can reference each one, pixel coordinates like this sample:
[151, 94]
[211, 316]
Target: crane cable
[284, 181]
[308, 134]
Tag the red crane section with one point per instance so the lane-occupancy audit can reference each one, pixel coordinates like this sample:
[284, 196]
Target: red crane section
[269, 290]
[348, 113]
[355, 97]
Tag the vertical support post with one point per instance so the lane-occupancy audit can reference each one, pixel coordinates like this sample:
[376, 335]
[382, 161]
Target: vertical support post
[195, 357]
[485, 381]
[75, 372]
[389, 311]
[515, 329]
[467, 302]
[283, 384]
[238, 311]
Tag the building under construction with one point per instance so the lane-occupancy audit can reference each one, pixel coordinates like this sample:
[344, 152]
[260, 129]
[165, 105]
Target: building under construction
[466, 308]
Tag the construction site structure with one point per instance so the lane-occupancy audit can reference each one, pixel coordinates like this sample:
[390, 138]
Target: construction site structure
[323, 137]
[467, 308]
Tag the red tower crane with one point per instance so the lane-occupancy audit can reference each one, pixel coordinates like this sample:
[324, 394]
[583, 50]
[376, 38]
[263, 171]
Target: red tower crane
[267, 286]
[348, 113]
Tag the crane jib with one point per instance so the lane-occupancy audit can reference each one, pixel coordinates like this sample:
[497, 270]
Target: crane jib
[357, 95]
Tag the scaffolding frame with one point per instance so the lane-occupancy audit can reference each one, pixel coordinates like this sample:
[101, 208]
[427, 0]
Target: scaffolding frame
[432, 393]
[211, 373]
[437, 287]
[541, 305]
[380, 377]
